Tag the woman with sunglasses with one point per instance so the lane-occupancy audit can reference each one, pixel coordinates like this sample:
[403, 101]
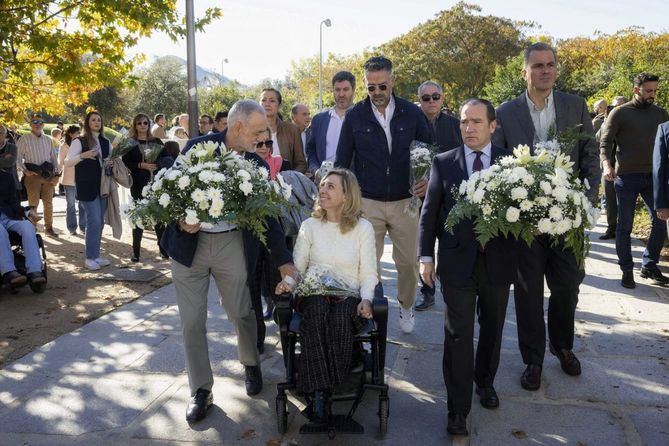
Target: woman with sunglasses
[86, 155]
[141, 171]
[264, 150]
[286, 138]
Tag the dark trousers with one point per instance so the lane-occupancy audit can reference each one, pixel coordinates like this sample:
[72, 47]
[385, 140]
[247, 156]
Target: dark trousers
[137, 235]
[564, 278]
[611, 205]
[628, 187]
[459, 367]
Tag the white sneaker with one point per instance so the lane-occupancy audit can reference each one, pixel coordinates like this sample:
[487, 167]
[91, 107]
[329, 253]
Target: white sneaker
[102, 262]
[92, 265]
[407, 320]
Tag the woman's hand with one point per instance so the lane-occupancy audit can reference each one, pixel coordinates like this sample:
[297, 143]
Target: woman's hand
[285, 286]
[365, 309]
[89, 154]
[148, 166]
[191, 229]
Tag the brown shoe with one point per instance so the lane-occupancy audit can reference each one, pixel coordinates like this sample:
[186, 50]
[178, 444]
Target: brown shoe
[531, 378]
[568, 361]
[51, 233]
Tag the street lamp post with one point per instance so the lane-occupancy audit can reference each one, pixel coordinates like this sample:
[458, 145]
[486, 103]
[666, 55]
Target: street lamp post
[190, 63]
[327, 23]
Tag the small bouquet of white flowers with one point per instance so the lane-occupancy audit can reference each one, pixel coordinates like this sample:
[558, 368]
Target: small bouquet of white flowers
[208, 185]
[526, 196]
[321, 282]
[122, 144]
[420, 163]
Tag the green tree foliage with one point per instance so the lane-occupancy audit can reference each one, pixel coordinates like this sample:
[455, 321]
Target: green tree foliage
[162, 88]
[111, 102]
[54, 52]
[507, 83]
[219, 98]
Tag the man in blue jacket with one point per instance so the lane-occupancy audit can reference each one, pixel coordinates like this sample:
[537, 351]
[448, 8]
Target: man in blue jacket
[375, 139]
[661, 172]
[198, 254]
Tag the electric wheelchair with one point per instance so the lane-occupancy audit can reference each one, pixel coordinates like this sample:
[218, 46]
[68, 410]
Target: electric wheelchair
[20, 261]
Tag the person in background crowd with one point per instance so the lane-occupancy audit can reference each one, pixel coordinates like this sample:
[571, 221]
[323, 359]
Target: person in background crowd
[60, 125]
[375, 140]
[206, 124]
[599, 108]
[286, 136]
[183, 122]
[38, 161]
[301, 117]
[171, 152]
[221, 121]
[86, 155]
[8, 152]
[633, 127]
[13, 134]
[326, 125]
[57, 136]
[142, 173]
[67, 181]
[158, 129]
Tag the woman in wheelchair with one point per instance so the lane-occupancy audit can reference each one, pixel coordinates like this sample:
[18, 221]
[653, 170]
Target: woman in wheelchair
[336, 239]
[21, 220]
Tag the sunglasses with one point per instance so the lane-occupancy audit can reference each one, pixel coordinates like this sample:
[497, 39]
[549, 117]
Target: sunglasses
[269, 143]
[372, 88]
[426, 97]
[37, 121]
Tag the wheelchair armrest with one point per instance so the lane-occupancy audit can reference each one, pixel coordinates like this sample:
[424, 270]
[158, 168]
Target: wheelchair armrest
[380, 307]
[283, 312]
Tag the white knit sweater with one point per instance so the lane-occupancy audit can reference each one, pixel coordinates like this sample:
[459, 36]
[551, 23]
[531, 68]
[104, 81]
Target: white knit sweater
[351, 256]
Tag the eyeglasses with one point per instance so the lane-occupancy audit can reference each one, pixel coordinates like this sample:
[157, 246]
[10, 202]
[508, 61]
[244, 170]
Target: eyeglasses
[269, 143]
[434, 96]
[143, 123]
[37, 121]
[372, 88]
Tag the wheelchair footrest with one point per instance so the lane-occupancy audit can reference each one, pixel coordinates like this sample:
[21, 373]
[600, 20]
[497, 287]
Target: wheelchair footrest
[340, 423]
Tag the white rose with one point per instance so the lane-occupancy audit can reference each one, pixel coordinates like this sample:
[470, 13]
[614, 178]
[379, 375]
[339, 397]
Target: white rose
[518, 193]
[164, 200]
[545, 226]
[183, 182]
[157, 185]
[191, 217]
[512, 214]
[555, 213]
[478, 195]
[246, 187]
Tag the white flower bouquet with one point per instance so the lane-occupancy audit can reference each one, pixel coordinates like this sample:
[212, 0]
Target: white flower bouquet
[526, 196]
[208, 185]
[321, 282]
[420, 163]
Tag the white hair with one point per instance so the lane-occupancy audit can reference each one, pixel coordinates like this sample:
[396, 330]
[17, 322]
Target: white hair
[242, 110]
[430, 83]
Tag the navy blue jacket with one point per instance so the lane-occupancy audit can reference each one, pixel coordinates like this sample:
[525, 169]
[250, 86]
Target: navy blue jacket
[181, 245]
[660, 167]
[317, 141]
[88, 172]
[446, 132]
[458, 251]
[382, 175]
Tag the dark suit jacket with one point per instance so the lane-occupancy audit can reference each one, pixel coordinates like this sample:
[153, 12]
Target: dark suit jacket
[9, 201]
[446, 132]
[458, 251]
[181, 245]
[515, 127]
[316, 143]
[661, 168]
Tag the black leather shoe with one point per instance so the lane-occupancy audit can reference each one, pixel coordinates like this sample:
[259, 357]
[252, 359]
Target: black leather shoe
[426, 302]
[531, 379]
[628, 280]
[253, 380]
[654, 274]
[608, 235]
[568, 361]
[489, 398]
[197, 408]
[36, 277]
[14, 278]
[457, 424]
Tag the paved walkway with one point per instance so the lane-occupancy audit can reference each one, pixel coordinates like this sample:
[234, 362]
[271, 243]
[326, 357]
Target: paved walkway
[120, 380]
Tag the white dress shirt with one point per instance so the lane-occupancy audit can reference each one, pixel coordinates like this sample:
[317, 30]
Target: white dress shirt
[332, 135]
[385, 120]
[470, 156]
[542, 118]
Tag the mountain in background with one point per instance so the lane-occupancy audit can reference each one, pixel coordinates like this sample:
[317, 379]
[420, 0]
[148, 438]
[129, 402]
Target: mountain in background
[205, 77]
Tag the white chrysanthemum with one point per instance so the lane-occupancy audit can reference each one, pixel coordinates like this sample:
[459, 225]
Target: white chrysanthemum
[191, 217]
[463, 188]
[555, 213]
[145, 190]
[214, 194]
[243, 174]
[512, 214]
[528, 180]
[585, 202]
[545, 226]
[561, 194]
[518, 193]
[198, 195]
[287, 191]
[577, 221]
[520, 171]
[246, 187]
[526, 205]
[203, 205]
[546, 187]
[486, 209]
[164, 200]
[195, 169]
[486, 174]
[478, 195]
[219, 177]
[183, 182]
[576, 198]
[563, 226]
[206, 176]
[173, 174]
[542, 201]
[264, 172]
[157, 185]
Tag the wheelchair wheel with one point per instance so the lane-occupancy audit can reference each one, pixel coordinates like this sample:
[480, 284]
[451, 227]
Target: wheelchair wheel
[281, 414]
[38, 287]
[384, 412]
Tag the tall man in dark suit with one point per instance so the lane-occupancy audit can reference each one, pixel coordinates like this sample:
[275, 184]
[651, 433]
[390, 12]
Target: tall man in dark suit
[198, 254]
[326, 125]
[529, 119]
[661, 172]
[467, 271]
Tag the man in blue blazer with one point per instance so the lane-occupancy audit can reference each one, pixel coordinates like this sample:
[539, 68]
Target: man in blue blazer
[229, 256]
[661, 172]
[326, 125]
[472, 276]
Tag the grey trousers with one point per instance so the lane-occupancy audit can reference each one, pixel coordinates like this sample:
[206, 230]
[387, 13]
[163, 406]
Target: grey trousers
[221, 256]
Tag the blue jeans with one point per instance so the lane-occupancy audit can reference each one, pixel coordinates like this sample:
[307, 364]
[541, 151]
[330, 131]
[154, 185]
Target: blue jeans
[71, 213]
[95, 216]
[29, 240]
[628, 187]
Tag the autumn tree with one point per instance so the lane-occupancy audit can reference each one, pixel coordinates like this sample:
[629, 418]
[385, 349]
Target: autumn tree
[162, 88]
[219, 98]
[54, 52]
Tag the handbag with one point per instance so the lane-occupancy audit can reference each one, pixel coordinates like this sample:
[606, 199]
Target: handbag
[121, 173]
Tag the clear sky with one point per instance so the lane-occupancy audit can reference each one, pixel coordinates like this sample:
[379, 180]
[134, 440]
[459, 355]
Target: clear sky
[261, 37]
